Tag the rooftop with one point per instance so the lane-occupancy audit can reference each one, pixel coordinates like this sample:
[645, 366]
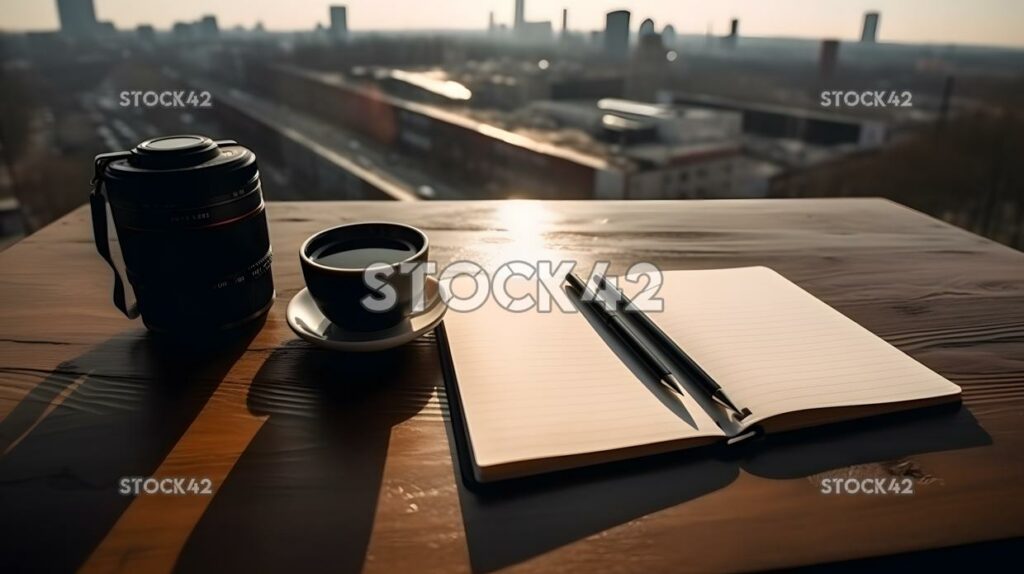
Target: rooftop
[456, 118]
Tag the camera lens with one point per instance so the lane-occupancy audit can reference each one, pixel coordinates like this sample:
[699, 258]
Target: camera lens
[192, 225]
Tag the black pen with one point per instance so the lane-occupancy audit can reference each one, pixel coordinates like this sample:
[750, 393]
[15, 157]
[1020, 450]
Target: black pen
[627, 335]
[666, 342]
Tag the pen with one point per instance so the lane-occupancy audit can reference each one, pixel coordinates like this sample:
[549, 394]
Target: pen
[628, 336]
[702, 378]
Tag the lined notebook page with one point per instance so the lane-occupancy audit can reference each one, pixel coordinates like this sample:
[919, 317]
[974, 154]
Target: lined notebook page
[775, 348]
[543, 385]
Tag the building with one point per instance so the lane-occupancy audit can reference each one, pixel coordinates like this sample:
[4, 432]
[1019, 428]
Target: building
[646, 28]
[616, 34]
[616, 120]
[432, 87]
[535, 31]
[676, 152]
[590, 85]
[339, 21]
[508, 85]
[77, 17]
[665, 152]
[870, 32]
[105, 28]
[183, 31]
[732, 40]
[207, 27]
[530, 31]
[774, 122]
[828, 58]
[565, 23]
[495, 162]
[146, 33]
[648, 67]
[707, 171]
[668, 35]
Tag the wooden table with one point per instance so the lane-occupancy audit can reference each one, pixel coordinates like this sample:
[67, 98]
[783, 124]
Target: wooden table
[339, 462]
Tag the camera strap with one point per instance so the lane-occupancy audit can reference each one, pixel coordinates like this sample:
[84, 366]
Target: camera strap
[98, 202]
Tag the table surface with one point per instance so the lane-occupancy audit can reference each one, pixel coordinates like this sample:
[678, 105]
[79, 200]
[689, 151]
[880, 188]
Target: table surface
[339, 462]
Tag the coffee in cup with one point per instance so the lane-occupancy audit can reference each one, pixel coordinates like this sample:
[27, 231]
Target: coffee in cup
[337, 262]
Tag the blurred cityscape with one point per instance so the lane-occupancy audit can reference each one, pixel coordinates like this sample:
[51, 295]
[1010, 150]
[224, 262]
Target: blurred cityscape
[522, 109]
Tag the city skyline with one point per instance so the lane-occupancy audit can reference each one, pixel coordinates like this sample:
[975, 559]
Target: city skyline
[986, 22]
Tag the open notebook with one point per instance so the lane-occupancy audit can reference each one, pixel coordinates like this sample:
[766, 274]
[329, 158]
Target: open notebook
[547, 391]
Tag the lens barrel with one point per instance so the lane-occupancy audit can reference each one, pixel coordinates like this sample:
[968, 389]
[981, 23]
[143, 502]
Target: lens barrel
[192, 225]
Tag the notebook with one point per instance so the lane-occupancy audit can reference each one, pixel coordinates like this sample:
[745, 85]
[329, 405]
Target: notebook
[541, 392]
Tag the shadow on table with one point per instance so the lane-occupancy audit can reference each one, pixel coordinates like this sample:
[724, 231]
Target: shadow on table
[303, 495]
[126, 404]
[511, 521]
[803, 453]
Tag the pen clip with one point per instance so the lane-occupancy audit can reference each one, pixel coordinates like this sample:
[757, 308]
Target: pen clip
[741, 414]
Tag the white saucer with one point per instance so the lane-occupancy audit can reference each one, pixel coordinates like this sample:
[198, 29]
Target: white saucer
[305, 318]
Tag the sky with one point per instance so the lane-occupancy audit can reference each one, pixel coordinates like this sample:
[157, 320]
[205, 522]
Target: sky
[985, 22]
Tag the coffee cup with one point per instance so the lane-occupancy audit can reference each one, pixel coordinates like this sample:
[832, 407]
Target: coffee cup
[359, 275]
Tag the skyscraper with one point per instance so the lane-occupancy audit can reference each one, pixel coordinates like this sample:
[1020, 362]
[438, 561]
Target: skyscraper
[565, 22]
[646, 28]
[647, 67]
[668, 35]
[207, 27]
[616, 34]
[520, 17]
[870, 32]
[77, 17]
[733, 39]
[339, 21]
[828, 58]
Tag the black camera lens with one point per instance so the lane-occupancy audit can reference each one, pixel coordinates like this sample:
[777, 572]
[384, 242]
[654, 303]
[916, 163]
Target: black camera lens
[192, 227]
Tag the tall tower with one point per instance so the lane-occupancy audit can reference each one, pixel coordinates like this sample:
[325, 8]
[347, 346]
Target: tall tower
[733, 39]
[77, 17]
[646, 28]
[870, 32]
[520, 14]
[565, 21]
[339, 21]
[668, 35]
[828, 58]
[616, 34]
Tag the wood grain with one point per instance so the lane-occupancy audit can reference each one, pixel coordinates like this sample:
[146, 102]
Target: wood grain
[349, 462]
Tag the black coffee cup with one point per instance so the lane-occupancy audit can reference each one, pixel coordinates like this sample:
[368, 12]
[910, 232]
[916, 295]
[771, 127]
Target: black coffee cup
[335, 263]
